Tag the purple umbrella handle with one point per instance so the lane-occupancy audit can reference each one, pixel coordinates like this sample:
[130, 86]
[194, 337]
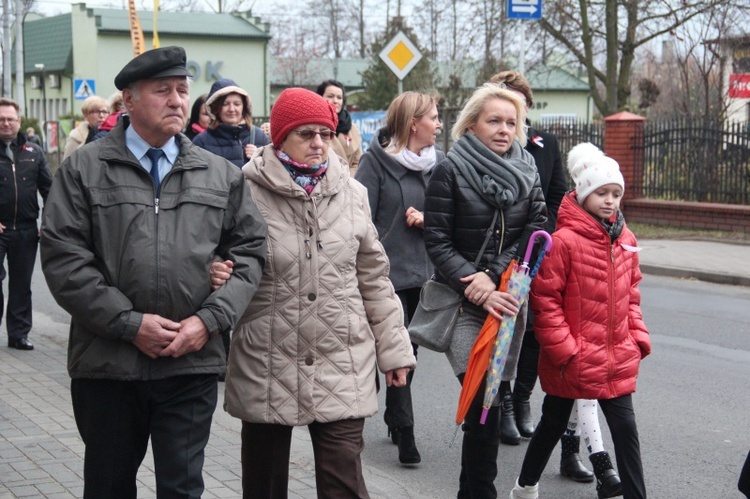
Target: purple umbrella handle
[483, 417]
[530, 247]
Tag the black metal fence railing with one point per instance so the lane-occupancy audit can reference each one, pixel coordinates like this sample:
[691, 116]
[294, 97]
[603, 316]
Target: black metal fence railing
[570, 132]
[683, 160]
[704, 161]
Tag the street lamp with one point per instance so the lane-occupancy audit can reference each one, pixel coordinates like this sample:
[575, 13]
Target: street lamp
[40, 67]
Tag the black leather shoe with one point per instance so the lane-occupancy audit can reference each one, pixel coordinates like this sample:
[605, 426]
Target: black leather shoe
[22, 344]
[407, 447]
[608, 485]
[524, 422]
[573, 468]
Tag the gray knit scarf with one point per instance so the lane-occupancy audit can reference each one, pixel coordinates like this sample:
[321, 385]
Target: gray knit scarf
[500, 180]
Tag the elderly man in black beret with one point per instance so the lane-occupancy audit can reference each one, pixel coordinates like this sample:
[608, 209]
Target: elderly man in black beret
[131, 226]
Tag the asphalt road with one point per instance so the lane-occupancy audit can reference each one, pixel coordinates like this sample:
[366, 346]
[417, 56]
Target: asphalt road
[691, 404]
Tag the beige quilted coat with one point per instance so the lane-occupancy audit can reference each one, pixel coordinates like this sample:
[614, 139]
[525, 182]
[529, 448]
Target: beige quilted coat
[325, 311]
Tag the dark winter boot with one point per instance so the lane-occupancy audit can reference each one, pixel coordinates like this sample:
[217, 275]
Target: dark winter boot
[407, 447]
[607, 480]
[508, 432]
[479, 456]
[526, 374]
[570, 460]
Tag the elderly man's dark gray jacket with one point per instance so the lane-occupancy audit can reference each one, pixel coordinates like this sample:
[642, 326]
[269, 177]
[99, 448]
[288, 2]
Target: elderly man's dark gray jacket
[110, 253]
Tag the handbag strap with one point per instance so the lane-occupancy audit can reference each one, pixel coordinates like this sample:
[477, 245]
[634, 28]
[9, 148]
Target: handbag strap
[487, 238]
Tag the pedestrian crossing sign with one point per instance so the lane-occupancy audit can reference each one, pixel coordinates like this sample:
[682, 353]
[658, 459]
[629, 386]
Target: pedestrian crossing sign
[83, 89]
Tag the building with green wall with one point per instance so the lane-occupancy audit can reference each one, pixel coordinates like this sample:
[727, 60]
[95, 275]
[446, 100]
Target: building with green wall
[91, 45]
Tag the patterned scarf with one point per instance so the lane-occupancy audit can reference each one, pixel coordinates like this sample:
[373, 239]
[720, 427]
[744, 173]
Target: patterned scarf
[305, 176]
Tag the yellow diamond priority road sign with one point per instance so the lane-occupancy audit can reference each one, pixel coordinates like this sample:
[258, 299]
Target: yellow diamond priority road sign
[400, 55]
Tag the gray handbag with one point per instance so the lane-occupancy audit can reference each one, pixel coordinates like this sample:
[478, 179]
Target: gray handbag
[433, 322]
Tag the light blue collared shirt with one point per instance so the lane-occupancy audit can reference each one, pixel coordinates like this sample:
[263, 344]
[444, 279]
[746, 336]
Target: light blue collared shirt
[140, 147]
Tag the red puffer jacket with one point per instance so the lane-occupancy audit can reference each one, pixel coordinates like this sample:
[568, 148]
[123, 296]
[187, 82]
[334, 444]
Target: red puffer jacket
[587, 310]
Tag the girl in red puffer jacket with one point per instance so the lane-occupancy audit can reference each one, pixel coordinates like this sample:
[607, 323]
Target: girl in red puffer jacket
[588, 321]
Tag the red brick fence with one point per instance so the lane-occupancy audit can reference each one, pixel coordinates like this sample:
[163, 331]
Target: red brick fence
[623, 136]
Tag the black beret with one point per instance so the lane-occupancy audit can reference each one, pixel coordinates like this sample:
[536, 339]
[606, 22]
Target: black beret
[156, 63]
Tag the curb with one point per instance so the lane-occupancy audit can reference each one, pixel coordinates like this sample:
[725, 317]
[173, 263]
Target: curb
[660, 270]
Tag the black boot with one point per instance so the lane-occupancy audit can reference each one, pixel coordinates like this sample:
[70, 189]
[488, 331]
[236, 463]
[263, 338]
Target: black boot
[407, 447]
[607, 480]
[508, 432]
[570, 460]
[479, 451]
[526, 373]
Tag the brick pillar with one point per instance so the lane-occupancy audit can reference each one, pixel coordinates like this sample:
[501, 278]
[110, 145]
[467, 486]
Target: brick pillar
[623, 142]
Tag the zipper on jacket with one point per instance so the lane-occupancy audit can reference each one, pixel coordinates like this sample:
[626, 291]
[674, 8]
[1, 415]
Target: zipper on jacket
[610, 326]
[318, 242]
[15, 190]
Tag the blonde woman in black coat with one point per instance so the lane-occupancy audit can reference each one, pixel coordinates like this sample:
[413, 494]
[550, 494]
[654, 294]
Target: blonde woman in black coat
[395, 169]
[487, 171]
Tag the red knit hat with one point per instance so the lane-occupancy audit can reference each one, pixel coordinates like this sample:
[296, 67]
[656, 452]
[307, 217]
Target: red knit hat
[296, 107]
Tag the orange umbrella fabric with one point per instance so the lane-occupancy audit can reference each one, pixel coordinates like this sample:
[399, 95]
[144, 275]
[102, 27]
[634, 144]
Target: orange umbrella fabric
[480, 354]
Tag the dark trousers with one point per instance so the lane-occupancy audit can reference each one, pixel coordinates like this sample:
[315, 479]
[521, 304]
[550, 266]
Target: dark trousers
[744, 482]
[337, 447]
[479, 450]
[20, 247]
[116, 419]
[621, 421]
[398, 407]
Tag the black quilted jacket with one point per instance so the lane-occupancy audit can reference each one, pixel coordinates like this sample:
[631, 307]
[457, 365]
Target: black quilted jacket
[456, 221]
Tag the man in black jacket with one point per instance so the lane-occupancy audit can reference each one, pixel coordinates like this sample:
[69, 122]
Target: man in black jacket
[23, 173]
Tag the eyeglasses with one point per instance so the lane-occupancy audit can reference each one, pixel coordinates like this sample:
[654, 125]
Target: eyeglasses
[326, 135]
[8, 120]
[99, 111]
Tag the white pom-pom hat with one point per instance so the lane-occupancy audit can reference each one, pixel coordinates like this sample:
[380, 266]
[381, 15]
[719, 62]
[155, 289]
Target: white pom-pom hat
[590, 169]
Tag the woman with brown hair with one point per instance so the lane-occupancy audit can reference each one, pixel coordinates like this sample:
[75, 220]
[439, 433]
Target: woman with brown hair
[230, 133]
[396, 169]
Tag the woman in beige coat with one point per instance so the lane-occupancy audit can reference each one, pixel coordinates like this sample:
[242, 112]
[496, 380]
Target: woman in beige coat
[95, 110]
[325, 315]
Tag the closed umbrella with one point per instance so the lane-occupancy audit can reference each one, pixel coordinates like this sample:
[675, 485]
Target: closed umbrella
[491, 346]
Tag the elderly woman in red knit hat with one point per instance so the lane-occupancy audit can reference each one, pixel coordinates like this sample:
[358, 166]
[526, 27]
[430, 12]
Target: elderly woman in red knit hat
[325, 315]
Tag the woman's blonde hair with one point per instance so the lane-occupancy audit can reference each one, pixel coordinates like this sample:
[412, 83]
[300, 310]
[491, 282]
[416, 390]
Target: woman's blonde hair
[92, 103]
[403, 110]
[473, 108]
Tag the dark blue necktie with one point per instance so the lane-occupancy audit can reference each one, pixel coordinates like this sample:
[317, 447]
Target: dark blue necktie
[155, 155]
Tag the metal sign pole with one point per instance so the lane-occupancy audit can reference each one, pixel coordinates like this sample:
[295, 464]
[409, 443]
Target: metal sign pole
[400, 55]
[521, 48]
